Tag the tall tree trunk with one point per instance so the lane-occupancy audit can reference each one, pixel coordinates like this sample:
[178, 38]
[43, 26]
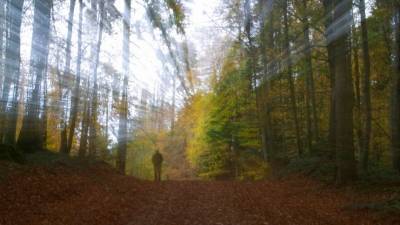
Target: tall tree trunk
[328, 7]
[265, 120]
[94, 103]
[83, 144]
[44, 113]
[395, 98]
[264, 102]
[12, 119]
[250, 49]
[366, 89]
[61, 109]
[311, 99]
[309, 135]
[357, 90]
[12, 70]
[173, 103]
[271, 70]
[340, 40]
[256, 93]
[30, 136]
[123, 112]
[76, 95]
[292, 91]
[64, 138]
[6, 76]
[107, 117]
[3, 22]
[69, 37]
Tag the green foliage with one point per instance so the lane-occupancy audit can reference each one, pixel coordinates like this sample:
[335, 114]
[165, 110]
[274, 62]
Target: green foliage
[178, 15]
[140, 150]
[10, 153]
[225, 134]
[194, 117]
[316, 167]
[378, 173]
[156, 9]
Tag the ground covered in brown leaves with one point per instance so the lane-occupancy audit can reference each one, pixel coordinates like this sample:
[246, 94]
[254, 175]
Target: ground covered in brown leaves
[97, 195]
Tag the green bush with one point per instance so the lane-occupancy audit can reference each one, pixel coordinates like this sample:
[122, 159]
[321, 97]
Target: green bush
[10, 153]
[314, 166]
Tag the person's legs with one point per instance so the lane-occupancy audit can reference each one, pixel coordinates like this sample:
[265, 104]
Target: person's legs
[158, 169]
[155, 174]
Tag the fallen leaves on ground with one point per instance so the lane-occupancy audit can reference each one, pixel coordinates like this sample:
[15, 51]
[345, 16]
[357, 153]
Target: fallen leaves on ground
[62, 195]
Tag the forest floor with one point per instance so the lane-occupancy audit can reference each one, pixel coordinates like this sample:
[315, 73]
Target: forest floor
[96, 194]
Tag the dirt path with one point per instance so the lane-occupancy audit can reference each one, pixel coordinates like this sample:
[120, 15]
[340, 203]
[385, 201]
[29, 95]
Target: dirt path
[100, 196]
[235, 203]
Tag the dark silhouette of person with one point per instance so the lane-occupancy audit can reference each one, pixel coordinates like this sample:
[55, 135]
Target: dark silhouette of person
[157, 164]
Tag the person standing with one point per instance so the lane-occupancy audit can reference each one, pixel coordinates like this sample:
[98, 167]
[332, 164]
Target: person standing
[157, 160]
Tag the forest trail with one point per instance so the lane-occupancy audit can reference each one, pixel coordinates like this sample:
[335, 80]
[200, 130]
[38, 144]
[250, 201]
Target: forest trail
[61, 195]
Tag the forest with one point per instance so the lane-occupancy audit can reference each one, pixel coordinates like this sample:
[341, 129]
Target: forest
[293, 93]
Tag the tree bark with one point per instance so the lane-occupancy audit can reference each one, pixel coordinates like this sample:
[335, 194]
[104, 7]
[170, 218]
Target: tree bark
[265, 115]
[76, 95]
[357, 88]
[340, 41]
[173, 103]
[83, 144]
[30, 139]
[123, 113]
[311, 98]
[395, 97]
[67, 71]
[3, 20]
[63, 135]
[366, 89]
[292, 91]
[264, 103]
[12, 70]
[94, 102]
[328, 7]
[44, 114]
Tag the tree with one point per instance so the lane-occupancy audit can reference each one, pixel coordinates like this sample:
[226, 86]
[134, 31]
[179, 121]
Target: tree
[12, 70]
[76, 93]
[311, 105]
[293, 101]
[2, 34]
[267, 41]
[123, 111]
[366, 99]
[94, 98]
[357, 88]
[343, 89]
[30, 138]
[64, 148]
[328, 6]
[395, 96]
[83, 144]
